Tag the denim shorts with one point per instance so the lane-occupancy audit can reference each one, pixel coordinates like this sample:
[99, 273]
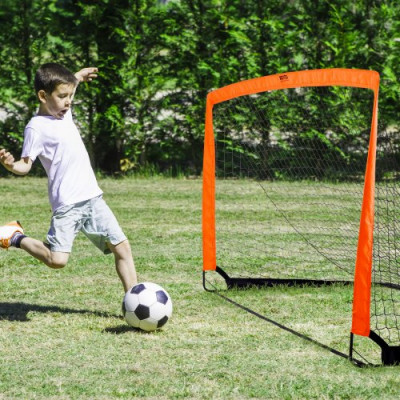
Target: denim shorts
[92, 217]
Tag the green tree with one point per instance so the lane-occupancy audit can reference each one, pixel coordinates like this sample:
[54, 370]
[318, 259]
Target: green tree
[158, 60]
[23, 41]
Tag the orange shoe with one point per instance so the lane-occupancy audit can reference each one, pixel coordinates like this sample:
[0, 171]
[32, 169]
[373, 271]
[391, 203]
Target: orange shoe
[7, 231]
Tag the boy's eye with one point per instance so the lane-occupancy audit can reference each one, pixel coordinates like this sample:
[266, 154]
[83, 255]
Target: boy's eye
[65, 95]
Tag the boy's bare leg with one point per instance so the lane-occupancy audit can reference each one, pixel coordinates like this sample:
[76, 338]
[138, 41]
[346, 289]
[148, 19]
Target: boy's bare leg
[124, 264]
[42, 252]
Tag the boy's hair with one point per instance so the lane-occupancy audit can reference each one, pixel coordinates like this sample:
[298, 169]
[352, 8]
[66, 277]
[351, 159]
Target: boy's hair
[50, 75]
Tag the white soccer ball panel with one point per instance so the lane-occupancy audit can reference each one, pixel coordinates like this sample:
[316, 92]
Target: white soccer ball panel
[168, 308]
[158, 311]
[147, 297]
[149, 324]
[131, 301]
[152, 286]
[132, 319]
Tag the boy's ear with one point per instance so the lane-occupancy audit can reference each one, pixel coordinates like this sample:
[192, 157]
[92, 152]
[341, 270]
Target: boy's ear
[42, 96]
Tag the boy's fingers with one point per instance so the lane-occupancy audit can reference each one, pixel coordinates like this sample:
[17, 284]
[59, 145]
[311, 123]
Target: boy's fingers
[93, 72]
[6, 156]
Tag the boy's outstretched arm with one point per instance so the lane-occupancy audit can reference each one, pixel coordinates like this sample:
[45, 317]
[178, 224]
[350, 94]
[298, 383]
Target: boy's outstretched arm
[21, 167]
[86, 74]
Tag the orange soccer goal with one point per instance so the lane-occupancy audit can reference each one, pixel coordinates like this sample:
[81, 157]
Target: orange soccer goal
[301, 188]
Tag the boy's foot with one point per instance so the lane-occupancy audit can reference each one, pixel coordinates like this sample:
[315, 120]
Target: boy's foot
[7, 232]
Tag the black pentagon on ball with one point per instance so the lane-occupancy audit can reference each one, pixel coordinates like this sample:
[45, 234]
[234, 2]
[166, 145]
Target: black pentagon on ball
[142, 312]
[123, 308]
[162, 297]
[138, 288]
[162, 322]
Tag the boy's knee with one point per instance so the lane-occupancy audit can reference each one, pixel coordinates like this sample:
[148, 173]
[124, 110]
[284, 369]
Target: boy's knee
[122, 249]
[57, 265]
[58, 260]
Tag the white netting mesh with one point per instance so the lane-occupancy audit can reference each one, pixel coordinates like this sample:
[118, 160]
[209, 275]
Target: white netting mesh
[290, 173]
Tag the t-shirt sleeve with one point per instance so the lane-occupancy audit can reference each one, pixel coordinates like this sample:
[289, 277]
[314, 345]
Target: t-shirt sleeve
[32, 146]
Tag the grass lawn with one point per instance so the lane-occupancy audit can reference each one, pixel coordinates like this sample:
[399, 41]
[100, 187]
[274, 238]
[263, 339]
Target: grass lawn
[62, 335]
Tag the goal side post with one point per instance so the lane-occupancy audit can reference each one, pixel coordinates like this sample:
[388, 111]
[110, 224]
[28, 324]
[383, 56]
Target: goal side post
[363, 267]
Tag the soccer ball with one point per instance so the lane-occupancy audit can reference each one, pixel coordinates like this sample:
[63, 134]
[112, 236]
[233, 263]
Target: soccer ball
[147, 306]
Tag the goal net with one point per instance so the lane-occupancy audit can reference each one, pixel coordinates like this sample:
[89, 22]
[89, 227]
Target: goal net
[300, 189]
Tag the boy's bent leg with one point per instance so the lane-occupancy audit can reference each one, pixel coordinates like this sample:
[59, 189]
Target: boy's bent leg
[124, 263]
[42, 252]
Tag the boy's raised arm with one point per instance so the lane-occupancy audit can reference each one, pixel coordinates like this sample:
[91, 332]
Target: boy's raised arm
[21, 167]
[86, 74]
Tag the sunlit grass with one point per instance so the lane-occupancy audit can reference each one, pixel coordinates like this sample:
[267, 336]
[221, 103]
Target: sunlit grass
[62, 335]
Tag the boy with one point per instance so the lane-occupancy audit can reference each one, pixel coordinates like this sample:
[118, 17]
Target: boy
[74, 194]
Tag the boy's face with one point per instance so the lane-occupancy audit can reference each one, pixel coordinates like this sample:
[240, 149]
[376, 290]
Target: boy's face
[58, 102]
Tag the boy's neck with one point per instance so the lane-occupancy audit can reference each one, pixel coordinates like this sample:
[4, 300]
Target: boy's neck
[43, 111]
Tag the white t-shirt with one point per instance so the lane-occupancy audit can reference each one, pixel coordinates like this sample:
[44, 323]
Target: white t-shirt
[61, 151]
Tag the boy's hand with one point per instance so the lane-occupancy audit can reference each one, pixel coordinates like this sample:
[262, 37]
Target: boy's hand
[21, 167]
[86, 74]
[7, 159]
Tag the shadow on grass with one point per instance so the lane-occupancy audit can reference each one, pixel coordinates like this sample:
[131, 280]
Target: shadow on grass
[19, 311]
[117, 330]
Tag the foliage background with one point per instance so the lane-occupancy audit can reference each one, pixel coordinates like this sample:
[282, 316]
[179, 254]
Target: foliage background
[158, 59]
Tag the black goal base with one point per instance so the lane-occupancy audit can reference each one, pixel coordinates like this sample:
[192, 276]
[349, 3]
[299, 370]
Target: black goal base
[247, 282]
[390, 354]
